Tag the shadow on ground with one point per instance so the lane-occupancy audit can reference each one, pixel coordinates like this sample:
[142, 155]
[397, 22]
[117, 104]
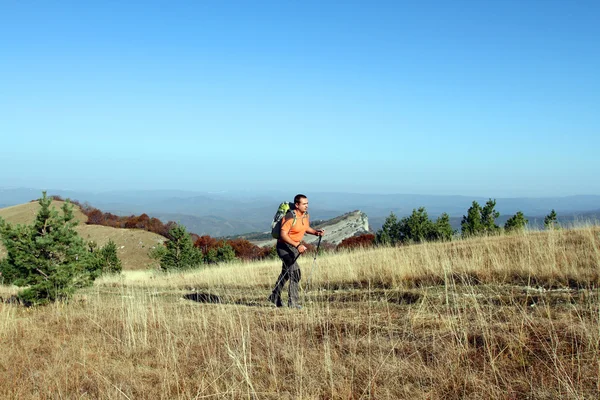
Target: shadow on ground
[202, 297]
[325, 296]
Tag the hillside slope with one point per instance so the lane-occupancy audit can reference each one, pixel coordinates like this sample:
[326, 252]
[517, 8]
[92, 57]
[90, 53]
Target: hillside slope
[132, 244]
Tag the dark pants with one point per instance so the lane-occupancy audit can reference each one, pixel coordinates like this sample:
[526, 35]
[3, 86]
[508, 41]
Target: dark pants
[289, 270]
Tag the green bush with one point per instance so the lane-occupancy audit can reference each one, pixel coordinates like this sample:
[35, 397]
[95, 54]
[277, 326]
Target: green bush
[550, 221]
[225, 253]
[516, 223]
[221, 254]
[179, 252]
[389, 233]
[105, 259]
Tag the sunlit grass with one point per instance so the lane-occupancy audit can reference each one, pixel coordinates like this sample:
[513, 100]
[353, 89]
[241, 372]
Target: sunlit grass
[500, 317]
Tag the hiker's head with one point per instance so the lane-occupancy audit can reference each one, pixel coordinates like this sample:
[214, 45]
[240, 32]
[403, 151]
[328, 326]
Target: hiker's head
[301, 203]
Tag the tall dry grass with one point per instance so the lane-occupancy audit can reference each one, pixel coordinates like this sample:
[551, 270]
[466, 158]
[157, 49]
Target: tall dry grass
[502, 317]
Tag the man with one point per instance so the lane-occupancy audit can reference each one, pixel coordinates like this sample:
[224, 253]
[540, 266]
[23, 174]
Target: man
[289, 248]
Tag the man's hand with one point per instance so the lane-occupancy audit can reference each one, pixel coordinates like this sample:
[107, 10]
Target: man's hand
[319, 232]
[301, 248]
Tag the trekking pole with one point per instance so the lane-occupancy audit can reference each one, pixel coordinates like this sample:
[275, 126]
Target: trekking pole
[313, 265]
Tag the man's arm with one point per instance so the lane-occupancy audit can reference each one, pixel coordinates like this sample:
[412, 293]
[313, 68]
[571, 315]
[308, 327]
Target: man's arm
[283, 234]
[286, 225]
[316, 232]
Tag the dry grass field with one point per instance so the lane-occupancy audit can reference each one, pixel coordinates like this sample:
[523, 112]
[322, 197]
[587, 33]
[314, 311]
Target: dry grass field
[509, 317]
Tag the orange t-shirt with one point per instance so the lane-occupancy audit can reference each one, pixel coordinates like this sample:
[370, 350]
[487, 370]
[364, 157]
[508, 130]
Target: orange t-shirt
[297, 231]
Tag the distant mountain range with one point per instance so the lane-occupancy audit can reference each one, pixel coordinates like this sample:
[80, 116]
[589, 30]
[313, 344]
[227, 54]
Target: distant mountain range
[236, 212]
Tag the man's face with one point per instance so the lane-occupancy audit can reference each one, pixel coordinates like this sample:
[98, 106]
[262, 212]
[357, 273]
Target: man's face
[302, 206]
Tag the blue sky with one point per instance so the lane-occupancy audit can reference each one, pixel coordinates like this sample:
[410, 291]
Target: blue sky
[485, 98]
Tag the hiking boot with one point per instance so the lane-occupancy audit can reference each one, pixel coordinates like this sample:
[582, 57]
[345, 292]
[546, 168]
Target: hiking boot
[296, 306]
[275, 300]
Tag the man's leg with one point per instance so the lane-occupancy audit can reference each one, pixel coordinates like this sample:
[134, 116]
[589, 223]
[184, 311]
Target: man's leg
[275, 296]
[288, 255]
[295, 277]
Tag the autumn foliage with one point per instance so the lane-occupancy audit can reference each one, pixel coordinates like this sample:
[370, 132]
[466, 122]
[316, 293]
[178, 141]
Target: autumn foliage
[143, 221]
[360, 241]
[243, 248]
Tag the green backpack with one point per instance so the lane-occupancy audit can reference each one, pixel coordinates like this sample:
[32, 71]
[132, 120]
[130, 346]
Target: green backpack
[283, 209]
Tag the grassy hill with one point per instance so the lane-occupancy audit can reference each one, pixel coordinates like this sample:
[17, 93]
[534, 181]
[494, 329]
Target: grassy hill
[506, 317]
[132, 244]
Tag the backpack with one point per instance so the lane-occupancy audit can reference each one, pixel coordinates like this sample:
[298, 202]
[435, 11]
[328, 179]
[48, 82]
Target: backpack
[283, 209]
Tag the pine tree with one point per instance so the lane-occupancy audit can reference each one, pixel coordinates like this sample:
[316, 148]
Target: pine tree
[211, 256]
[225, 253]
[180, 251]
[112, 263]
[389, 233]
[488, 218]
[550, 221]
[516, 223]
[471, 224]
[417, 227]
[442, 229]
[105, 259]
[49, 256]
[480, 221]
